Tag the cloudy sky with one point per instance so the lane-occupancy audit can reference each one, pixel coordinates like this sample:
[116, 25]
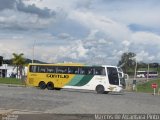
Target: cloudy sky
[86, 31]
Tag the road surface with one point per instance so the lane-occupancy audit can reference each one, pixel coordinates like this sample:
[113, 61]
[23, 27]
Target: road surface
[22, 100]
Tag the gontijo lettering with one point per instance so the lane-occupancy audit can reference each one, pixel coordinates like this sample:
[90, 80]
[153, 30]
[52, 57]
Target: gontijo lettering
[57, 76]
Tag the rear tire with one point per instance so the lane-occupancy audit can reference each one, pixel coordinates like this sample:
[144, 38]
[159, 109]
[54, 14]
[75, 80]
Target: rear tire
[50, 86]
[42, 85]
[100, 89]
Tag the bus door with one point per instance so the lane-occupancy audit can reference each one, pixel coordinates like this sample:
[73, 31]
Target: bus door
[122, 79]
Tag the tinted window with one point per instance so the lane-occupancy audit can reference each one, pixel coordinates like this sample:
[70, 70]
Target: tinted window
[86, 70]
[62, 69]
[51, 69]
[73, 70]
[33, 68]
[42, 69]
[99, 71]
[68, 70]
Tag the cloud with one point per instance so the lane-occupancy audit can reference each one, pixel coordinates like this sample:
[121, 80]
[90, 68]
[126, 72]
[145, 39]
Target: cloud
[20, 6]
[64, 36]
[8, 20]
[129, 12]
[102, 23]
[94, 32]
[144, 56]
[9, 46]
[83, 4]
[24, 17]
[32, 9]
[146, 46]
[7, 4]
[75, 50]
[145, 38]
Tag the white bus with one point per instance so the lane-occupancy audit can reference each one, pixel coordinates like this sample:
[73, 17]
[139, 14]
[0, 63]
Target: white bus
[144, 74]
[102, 78]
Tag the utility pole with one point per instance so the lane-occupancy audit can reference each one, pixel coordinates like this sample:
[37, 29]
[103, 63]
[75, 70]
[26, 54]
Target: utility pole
[33, 51]
[148, 72]
[135, 70]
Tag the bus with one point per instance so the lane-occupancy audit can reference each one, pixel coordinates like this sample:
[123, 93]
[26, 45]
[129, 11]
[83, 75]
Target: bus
[102, 79]
[143, 74]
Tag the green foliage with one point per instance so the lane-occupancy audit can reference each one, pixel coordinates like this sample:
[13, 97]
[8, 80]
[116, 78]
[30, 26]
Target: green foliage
[18, 59]
[11, 81]
[146, 87]
[19, 62]
[27, 61]
[127, 61]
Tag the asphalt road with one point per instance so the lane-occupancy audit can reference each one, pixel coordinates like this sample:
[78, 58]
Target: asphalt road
[22, 100]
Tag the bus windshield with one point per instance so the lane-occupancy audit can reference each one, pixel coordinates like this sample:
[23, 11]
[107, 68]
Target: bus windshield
[113, 75]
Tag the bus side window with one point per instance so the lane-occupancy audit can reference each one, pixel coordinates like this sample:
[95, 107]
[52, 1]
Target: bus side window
[96, 72]
[103, 72]
[73, 70]
[33, 68]
[62, 69]
[100, 71]
[82, 72]
[51, 69]
[86, 71]
[76, 72]
[42, 69]
[70, 70]
[90, 71]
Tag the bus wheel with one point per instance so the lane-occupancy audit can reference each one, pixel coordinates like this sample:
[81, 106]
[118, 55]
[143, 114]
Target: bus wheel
[42, 85]
[100, 89]
[50, 86]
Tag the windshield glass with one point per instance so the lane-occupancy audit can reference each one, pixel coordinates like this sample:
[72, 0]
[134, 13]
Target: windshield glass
[113, 75]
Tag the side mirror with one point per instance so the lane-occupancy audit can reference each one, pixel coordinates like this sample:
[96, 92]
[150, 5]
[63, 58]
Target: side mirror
[126, 77]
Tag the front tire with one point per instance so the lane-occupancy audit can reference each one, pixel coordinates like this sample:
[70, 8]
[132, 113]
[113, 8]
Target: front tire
[100, 89]
[42, 85]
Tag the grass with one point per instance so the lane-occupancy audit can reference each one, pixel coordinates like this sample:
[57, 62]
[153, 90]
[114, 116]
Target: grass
[146, 87]
[11, 81]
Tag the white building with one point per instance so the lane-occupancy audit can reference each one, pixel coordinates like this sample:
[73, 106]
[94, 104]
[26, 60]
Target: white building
[3, 70]
[10, 71]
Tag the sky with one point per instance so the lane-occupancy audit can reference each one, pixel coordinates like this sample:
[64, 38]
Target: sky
[84, 31]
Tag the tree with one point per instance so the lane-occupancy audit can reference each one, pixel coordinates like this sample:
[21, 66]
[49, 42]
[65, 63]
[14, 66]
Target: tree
[19, 62]
[127, 61]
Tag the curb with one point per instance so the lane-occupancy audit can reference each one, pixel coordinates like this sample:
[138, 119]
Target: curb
[12, 85]
[18, 111]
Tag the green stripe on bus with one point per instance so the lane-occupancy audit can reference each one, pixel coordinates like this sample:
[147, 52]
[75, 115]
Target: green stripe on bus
[75, 80]
[84, 80]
